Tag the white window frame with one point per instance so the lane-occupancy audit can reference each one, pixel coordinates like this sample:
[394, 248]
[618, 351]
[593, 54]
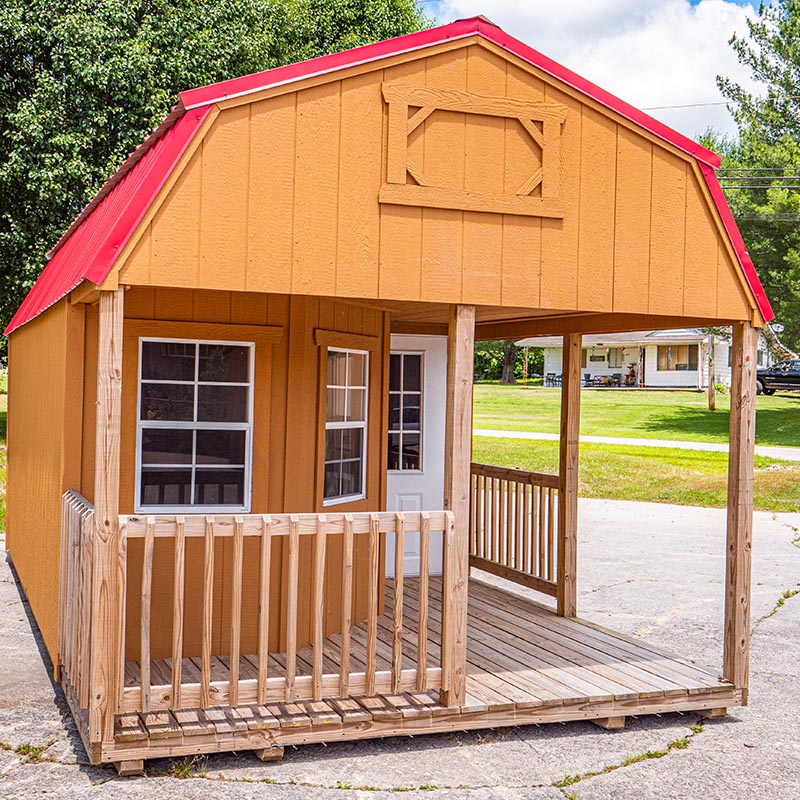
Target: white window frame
[421, 354]
[348, 498]
[612, 362]
[247, 427]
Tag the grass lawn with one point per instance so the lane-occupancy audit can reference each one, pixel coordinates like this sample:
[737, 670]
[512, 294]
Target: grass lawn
[637, 415]
[652, 474]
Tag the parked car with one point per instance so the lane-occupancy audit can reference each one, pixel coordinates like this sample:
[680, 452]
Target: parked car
[783, 375]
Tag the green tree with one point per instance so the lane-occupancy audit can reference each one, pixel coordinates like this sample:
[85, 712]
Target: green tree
[82, 82]
[761, 166]
[503, 361]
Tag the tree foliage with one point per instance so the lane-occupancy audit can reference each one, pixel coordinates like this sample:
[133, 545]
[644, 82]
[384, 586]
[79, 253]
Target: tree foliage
[84, 81]
[768, 153]
[502, 360]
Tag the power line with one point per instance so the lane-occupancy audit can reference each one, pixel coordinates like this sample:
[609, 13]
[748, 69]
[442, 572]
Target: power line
[685, 105]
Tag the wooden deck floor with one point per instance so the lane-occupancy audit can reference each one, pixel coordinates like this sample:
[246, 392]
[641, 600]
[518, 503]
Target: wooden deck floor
[525, 665]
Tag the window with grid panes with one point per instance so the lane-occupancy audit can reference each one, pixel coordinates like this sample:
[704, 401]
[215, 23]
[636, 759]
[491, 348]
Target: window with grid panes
[346, 425]
[405, 411]
[194, 428]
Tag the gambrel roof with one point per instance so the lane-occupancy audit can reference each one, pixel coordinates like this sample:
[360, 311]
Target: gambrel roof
[90, 247]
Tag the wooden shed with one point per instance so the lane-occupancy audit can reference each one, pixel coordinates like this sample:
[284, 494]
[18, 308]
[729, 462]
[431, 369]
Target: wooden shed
[240, 493]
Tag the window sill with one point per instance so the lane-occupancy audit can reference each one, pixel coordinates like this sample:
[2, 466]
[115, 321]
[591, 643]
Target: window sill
[338, 501]
[189, 510]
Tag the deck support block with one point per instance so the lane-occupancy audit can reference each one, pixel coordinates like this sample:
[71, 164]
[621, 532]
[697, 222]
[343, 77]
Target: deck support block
[713, 713]
[610, 723]
[269, 753]
[126, 769]
[736, 655]
[567, 589]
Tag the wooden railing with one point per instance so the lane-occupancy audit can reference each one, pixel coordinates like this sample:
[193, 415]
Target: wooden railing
[513, 525]
[322, 682]
[75, 593]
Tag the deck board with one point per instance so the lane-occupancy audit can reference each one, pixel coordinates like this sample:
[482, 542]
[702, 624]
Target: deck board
[524, 664]
[519, 654]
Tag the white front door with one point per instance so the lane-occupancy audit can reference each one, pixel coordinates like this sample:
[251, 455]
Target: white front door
[417, 397]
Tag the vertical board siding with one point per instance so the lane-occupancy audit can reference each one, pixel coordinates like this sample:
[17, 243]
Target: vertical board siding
[597, 211]
[667, 233]
[41, 357]
[632, 245]
[286, 467]
[443, 161]
[282, 196]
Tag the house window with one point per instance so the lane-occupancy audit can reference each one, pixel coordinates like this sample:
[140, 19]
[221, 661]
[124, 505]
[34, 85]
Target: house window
[405, 411]
[615, 357]
[194, 425]
[346, 426]
[677, 357]
[760, 358]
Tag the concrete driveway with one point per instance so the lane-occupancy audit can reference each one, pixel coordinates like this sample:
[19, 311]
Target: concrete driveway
[654, 571]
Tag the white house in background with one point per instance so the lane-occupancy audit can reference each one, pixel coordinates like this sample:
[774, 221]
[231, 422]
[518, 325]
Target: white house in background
[659, 359]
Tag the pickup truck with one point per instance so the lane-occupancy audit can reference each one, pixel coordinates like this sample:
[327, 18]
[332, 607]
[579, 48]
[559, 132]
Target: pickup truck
[783, 375]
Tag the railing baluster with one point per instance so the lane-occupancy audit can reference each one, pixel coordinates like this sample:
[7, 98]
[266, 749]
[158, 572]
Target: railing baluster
[177, 610]
[236, 610]
[526, 527]
[291, 610]
[422, 620]
[208, 614]
[518, 525]
[397, 613]
[347, 605]
[318, 603]
[263, 607]
[542, 531]
[372, 601]
[122, 599]
[487, 517]
[551, 539]
[147, 585]
[510, 522]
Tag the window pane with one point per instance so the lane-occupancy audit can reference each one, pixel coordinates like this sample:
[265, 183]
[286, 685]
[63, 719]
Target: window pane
[166, 487]
[333, 474]
[333, 444]
[337, 365]
[412, 373]
[411, 451]
[394, 451]
[160, 446]
[168, 361]
[394, 412]
[356, 405]
[352, 440]
[356, 369]
[411, 412]
[220, 447]
[223, 363]
[222, 403]
[334, 411]
[164, 401]
[351, 477]
[394, 372]
[219, 487]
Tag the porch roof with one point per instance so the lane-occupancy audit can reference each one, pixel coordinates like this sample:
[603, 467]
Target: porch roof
[92, 244]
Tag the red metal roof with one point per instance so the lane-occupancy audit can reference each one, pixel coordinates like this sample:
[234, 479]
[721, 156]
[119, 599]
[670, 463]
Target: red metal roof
[90, 246]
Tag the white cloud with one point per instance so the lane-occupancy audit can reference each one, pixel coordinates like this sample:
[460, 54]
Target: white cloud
[648, 52]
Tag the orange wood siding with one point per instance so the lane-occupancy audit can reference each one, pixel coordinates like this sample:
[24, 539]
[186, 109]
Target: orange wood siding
[44, 435]
[287, 457]
[281, 195]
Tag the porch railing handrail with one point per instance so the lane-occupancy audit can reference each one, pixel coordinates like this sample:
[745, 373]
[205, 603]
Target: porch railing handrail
[514, 525]
[320, 684]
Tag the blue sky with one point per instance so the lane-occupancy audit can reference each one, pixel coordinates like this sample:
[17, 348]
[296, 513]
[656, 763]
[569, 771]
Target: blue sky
[660, 55]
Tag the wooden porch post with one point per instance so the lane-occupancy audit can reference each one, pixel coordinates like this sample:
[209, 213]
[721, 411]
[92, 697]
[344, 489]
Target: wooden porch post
[106, 644]
[458, 455]
[568, 476]
[736, 658]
